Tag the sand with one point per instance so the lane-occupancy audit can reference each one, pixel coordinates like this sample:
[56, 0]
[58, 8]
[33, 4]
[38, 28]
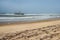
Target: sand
[47, 30]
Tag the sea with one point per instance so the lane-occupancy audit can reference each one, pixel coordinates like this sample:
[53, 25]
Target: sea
[30, 17]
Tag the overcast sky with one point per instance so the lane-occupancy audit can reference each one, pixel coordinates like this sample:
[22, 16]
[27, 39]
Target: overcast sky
[30, 6]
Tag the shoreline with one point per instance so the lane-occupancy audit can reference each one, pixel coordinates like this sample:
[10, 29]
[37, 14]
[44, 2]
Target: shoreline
[19, 27]
[28, 22]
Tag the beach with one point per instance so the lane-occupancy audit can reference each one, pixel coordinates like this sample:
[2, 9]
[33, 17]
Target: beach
[29, 31]
[29, 19]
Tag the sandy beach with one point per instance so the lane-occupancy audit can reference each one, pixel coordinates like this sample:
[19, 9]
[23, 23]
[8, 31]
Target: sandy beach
[46, 30]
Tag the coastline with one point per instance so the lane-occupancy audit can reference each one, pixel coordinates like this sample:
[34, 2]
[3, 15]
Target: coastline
[31, 30]
[28, 22]
[28, 25]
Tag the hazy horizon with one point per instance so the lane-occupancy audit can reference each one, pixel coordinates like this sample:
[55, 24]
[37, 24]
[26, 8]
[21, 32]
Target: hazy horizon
[30, 6]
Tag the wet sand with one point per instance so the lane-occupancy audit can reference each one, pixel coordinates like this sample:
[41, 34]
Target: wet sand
[47, 30]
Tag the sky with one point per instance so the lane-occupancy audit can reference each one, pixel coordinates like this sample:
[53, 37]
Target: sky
[30, 6]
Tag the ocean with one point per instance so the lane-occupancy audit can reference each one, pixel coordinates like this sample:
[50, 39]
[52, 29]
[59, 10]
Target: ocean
[27, 18]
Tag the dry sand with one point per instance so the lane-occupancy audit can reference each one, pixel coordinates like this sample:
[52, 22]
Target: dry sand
[49, 30]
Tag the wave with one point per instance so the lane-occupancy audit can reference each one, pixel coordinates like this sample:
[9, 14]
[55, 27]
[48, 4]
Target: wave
[28, 18]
